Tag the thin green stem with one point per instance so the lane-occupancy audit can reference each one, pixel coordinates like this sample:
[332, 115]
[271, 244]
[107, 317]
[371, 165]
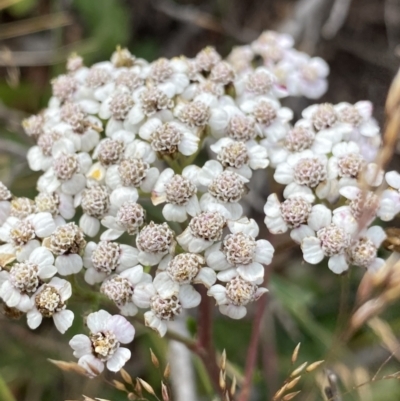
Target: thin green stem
[5, 393]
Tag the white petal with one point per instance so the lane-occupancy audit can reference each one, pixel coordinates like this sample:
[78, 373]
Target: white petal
[165, 286]
[234, 312]
[91, 364]
[81, 345]
[312, 251]
[34, 319]
[43, 224]
[92, 276]
[264, 252]
[393, 179]
[319, 217]
[89, 225]
[174, 213]
[128, 257]
[118, 360]
[283, 174]
[377, 235]
[68, 264]
[63, 320]
[299, 233]
[41, 256]
[123, 330]
[206, 276]
[338, 264]
[217, 259]
[74, 185]
[189, 297]
[142, 295]
[134, 274]
[97, 321]
[251, 272]
[155, 323]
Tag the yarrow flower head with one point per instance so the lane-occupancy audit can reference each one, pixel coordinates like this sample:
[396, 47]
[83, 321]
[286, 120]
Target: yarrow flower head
[103, 346]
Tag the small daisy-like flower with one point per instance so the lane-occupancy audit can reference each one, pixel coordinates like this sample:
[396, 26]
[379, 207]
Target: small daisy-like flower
[150, 102]
[233, 298]
[222, 73]
[260, 82]
[127, 215]
[132, 173]
[206, 59]
[5, 203]
[179, 192]
[170, 137]
[327, 236]
[241, 157]
[225, 189]
[390, 197]
[299, 138]
[40, 156]
[363, 252]
[66, 174]
[359, 118]
[308, 78]
[25, 277]
[290, 214]
[188, 268]
[119, 288]
[197, 113]
[24, 235]
[68, 243]
[165, 301]
[240, 253]
[56, 204]
[203, 230]
[106, 258]
[33, 125]
[169, 75]
[64, 87]
[304, 169]
[155, 241]
[364, 205]
[103, 345]
[95, 203]
[50, 301]
[270, 116]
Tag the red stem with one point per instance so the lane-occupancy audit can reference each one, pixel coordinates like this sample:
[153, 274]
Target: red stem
[206, 349]
[252, 350]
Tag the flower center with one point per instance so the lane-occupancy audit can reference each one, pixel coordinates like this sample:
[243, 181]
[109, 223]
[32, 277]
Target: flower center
[24, 277]
[165, 308]
[131, 216]
[106, 256]
[334, 239]
[48, 301]
[184, 267]
[239, 248]
[155, 238]
[208, 226]
[295, 211]
[104, 345]
[179, 190]
[65, 166]
[227, 187]
[234, 155]
[240, 292]
[309, 171]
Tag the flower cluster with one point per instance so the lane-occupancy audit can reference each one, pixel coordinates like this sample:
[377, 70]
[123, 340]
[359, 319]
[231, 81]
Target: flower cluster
[119, 143]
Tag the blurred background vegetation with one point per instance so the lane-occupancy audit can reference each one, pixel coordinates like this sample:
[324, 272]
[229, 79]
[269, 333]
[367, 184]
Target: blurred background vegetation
[307, 304]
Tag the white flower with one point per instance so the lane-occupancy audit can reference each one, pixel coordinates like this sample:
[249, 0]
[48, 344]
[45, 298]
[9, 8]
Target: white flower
[290, 214]
[327, 236]
[61, 206]
[169, 137]
[106, 258]
[125, 214]
[390, 198]
[67, 172]
[180, 193]
[25, 234]
[68, 243]
[302, 170]
[168, 75]
[270, 116]
[50, 301]
[260, 82]
[103, 345]
[241, 157]
[301, 137]
[308, 77]
[24, 278]
[225, 190]
[203, 230]
[187, 268]
[359, 118]
[5, 204]
[363, 252]
[155, 241]
[165, 301]
[119, 288]
[239, 253]
[233, 298]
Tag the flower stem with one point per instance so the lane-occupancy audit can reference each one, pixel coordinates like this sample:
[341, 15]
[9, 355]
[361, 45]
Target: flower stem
[206, 349]
[5, 393]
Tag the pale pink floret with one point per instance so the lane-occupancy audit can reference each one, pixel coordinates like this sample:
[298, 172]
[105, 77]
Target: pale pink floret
[107, 332]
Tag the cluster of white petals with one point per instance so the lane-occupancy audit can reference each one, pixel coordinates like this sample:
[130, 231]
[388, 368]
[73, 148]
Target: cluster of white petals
[124, 144]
